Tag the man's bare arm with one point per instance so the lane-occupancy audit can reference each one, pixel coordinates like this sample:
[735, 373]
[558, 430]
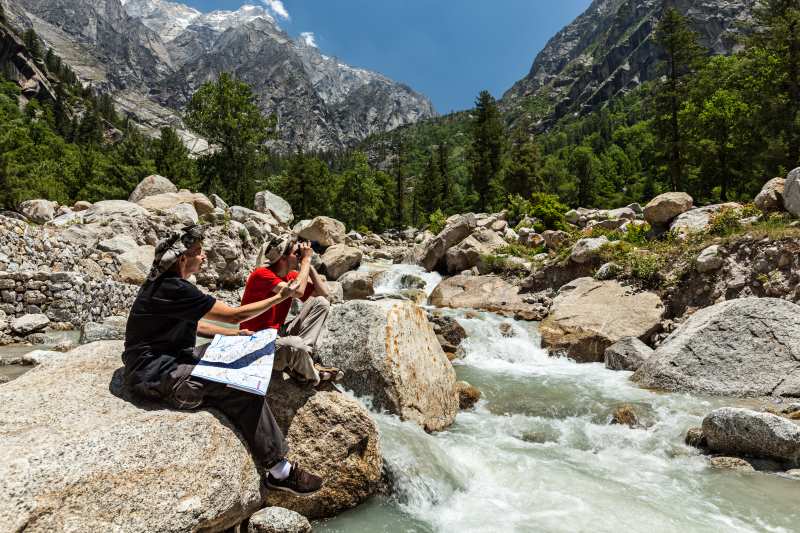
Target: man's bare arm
[208, 330]
[320, 287]
[300, 282]
[222, 312]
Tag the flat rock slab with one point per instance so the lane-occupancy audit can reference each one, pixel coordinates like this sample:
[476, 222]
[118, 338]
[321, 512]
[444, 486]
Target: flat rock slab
[742, 347]
[487, 293]
[587, 316]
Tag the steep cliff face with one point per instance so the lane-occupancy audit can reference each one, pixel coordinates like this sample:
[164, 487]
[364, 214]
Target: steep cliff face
[153, 54]
[611, 48]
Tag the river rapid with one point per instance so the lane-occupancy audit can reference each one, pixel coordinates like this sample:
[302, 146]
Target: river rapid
[538, 453]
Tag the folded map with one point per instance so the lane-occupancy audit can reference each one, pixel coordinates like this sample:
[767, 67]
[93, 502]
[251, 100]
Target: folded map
[241, 362]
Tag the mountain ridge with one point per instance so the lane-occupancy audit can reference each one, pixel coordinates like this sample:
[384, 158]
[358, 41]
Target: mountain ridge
[153, 54]
[610, 49]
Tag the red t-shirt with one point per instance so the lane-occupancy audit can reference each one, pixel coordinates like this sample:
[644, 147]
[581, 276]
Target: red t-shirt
[261, 285]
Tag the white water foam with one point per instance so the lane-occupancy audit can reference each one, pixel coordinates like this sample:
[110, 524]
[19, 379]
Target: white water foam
[538, 454]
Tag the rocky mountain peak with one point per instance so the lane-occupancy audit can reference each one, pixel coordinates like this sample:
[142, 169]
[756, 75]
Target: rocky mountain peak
[611, 48]
[152, 55]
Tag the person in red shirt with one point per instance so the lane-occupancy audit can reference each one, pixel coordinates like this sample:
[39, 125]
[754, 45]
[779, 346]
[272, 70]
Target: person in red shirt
[276, 267]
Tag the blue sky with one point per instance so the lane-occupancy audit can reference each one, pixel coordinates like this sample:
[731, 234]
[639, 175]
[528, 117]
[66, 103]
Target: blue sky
[447, 49]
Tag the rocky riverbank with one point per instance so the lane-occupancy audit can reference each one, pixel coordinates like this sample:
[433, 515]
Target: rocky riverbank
[698, 300]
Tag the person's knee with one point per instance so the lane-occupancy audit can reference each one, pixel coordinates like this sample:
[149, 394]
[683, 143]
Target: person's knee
[321, 301]
[292, 344]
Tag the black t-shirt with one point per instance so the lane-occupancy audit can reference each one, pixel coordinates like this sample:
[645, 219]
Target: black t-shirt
[162, 330]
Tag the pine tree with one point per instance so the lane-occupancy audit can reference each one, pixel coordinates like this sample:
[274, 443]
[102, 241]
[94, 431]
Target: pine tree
[777, 25]
[31, 41]
[61, 120]
[400, 169]
[522, 176]
[429, 189]
[583, 165]
[443, 160]
[358, 197]
[225, 113]
[681, 57]
[171, 158]
[486, 150]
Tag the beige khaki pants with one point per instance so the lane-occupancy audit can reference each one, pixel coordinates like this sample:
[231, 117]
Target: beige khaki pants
[298, 338]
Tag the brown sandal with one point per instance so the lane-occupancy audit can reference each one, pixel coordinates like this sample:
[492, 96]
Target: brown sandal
[328, 373]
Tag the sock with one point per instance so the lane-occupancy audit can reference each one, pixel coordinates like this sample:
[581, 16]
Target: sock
[281, 470]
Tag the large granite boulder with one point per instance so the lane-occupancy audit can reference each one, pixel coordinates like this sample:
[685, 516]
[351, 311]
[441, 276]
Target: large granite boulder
[771, 196]
[741, 347]
[38, 211]
[698, 219]
[134, 265]
[488, 293]
[278, 520]
[434, 250]
[151, 186]
[84, 457]
[111, 209]
[168, 201]
[588, 315]
[249, 217]
[470, 252]
[667, 206]
[388, 351]
[78, 457]
[267, 202]
[333, 436]
[112, 328]
[339, 259]
[588, 249]
[325, 230]
[358, 285]
[118, 244]
[743, 432]
[791, 192]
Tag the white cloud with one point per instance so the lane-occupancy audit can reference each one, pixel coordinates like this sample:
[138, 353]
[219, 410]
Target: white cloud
[277, 8]
[307, 38]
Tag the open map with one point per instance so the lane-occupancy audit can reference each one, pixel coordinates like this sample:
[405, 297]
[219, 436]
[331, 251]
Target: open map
[240, 362]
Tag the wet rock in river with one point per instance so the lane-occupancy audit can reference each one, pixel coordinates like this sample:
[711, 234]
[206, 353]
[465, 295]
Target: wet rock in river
[731, 463]
[278, 520]
[743, 432]
[468, 395]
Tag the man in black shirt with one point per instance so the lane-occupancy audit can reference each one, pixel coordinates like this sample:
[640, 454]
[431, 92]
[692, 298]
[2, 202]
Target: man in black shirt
[160, 354]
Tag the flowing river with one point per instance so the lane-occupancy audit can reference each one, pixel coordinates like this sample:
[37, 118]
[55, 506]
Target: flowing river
[538, 454]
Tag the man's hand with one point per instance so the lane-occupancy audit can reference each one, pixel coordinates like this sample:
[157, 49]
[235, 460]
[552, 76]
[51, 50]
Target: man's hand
[287, 290]
[245, 333]
[304, 250]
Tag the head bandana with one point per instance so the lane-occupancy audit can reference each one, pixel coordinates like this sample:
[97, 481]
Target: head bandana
[170, 249]
[273, 250]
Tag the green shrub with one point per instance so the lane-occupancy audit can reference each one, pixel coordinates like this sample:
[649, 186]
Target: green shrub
[545, 208]
[436, 221]
[726, 221]
[637, 234]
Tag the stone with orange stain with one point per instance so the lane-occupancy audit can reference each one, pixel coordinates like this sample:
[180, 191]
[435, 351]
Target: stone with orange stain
[389, 352]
